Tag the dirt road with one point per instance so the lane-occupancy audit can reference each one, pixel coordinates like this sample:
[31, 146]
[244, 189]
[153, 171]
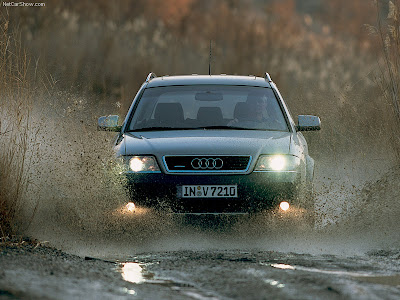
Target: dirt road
[46, 273]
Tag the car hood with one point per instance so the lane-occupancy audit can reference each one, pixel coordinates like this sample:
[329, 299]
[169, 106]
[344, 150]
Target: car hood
[205, 142]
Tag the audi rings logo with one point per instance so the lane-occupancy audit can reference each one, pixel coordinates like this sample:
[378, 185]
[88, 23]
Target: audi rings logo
[207, 163]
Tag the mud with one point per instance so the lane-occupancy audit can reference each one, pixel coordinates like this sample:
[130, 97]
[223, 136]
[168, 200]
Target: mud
[29, 272]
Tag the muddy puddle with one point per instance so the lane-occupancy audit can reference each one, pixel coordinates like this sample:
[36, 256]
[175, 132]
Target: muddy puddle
[262, 274]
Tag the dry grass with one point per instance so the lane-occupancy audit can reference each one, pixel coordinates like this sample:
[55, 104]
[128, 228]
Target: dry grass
[18, 241]
[388, 77]
[16, 137]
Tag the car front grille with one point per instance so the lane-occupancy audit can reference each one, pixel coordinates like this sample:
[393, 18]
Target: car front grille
[207, 164]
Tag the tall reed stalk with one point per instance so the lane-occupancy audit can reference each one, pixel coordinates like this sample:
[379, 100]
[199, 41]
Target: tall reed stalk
[15, 122]
[388, 79]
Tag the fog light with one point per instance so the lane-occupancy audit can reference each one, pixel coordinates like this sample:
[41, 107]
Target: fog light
[130, 207]
[284, 205]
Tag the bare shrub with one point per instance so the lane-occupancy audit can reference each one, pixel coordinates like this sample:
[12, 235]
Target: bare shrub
[388, 76]
[16, 136]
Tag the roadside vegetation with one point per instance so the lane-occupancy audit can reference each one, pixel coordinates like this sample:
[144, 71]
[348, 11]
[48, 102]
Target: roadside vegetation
[16, 138]
[65, 64]
[388, 77]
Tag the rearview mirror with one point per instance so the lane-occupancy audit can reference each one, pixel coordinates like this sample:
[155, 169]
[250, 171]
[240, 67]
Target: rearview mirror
[109, 123]
[208, 96]
[308, 123]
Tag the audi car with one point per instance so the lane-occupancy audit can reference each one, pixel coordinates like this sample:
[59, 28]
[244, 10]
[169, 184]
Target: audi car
[216, 144]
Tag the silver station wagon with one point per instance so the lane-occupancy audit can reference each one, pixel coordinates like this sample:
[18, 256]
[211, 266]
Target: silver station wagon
[214, 144]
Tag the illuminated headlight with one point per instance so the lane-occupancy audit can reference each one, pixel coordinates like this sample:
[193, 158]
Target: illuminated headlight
[141, 163]
[277, 163]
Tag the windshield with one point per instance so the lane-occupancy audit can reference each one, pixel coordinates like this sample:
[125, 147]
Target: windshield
[208, 107]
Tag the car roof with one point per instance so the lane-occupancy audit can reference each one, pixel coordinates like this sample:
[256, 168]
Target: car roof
[208, 80]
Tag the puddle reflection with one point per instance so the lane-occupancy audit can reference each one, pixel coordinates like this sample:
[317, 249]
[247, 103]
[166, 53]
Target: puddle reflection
[283, 266]
[132, 272]
[392, 280]
[274, 283]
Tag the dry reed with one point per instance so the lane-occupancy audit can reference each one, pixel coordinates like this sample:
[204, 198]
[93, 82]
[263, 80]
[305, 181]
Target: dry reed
[16, 135]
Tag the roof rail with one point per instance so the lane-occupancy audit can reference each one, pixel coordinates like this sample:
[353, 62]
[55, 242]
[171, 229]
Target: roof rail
[150, 76]
[267, 77]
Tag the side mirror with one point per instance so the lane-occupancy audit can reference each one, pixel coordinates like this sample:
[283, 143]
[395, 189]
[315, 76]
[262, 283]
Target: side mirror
[308, 123]
[109, 123]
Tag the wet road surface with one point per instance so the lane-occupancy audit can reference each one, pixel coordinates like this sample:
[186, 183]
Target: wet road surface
[46, 273]
[264, 275]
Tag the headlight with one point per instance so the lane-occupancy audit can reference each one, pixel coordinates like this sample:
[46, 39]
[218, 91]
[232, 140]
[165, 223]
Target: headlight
[277, 163]
[141, 164]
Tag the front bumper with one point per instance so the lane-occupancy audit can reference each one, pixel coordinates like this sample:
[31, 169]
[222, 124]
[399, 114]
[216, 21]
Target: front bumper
[256, 191]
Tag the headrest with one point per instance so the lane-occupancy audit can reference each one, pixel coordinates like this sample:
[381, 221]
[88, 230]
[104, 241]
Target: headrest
[169, 112]
[209, 113]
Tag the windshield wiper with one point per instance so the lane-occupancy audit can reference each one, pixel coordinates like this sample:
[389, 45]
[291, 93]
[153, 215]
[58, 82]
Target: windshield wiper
[192, 128]
[158, 129]
[226, 127]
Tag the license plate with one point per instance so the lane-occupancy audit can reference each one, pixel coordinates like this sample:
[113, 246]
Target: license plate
[208, 191]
